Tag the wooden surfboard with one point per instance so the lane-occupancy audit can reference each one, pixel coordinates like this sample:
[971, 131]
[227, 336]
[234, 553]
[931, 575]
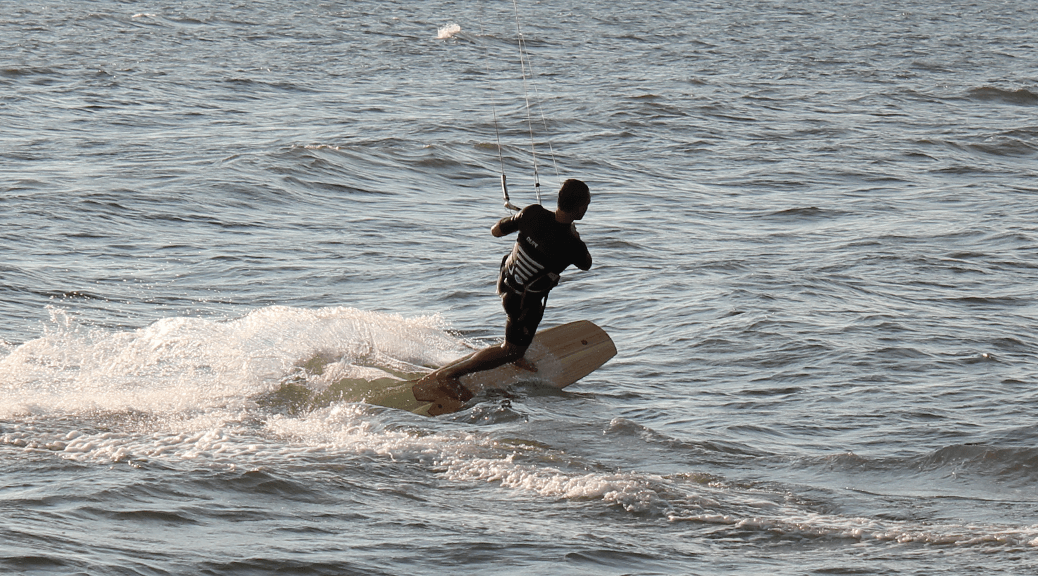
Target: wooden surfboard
[560, 356]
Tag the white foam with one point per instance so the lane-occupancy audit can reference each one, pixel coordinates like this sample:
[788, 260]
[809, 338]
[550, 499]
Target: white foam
[178, 392]
[634, 492]
[792, 521]
[447, 31]
[250, 439]
[182, 364]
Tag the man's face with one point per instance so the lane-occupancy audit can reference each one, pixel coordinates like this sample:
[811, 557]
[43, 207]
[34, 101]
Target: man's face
[579, 214]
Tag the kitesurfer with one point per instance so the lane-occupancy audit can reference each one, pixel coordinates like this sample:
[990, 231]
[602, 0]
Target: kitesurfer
[547, 243]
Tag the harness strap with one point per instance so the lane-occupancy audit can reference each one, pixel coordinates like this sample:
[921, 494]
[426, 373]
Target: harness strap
[528, 289]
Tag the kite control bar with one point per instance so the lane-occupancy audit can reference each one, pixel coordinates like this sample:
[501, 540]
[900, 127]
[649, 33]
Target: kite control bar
[504, 192]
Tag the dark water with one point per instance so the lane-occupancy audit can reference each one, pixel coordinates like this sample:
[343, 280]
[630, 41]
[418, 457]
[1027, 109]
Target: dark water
[815, 243]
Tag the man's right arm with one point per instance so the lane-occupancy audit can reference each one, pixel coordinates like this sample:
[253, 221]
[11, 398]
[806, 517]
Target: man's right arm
[506, 226]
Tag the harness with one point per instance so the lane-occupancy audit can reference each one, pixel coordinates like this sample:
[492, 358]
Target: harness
[526, 277]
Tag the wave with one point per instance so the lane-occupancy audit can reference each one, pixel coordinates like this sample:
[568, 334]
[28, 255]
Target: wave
[20, 72]
[1008, 466]
[181, 364]
[1021, 96]
[1005, 146]
[368, 438]
[805, 213]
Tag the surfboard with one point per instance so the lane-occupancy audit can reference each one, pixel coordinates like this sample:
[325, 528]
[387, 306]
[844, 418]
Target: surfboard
[557, 357]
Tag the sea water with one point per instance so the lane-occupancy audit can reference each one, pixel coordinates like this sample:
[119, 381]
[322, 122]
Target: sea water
[815, 243]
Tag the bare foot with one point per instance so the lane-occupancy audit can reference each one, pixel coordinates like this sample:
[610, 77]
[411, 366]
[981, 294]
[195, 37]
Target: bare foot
[525, 364]
[447, 395]
[431, 389]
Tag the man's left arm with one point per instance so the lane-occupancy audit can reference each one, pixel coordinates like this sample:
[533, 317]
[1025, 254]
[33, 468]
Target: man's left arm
[581, 255]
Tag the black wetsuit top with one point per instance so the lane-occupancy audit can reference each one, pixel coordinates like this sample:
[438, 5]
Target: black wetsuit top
[543, 249]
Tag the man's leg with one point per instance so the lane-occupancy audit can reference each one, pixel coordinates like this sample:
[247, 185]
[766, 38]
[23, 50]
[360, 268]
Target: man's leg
[485, 359]
[519, 331]
[445, 380]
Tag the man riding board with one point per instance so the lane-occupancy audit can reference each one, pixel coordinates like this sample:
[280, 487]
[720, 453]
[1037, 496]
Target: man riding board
[546, 245]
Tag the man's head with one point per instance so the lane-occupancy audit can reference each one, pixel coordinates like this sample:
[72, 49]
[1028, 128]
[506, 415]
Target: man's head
[574, 197]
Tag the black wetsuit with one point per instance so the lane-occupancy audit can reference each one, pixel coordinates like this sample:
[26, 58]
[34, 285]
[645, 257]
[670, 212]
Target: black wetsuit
[542, 251]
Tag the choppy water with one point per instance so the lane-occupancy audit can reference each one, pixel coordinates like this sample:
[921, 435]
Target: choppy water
[815, 243]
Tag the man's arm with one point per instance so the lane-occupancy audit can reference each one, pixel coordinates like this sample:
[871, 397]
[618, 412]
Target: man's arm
[585, 262]
[581, 255]
[506, 226]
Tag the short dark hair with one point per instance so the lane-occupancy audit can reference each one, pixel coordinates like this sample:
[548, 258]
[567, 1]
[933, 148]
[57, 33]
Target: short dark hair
[573, 195]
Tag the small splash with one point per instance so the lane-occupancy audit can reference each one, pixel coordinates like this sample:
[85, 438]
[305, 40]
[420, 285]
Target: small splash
[447, 31]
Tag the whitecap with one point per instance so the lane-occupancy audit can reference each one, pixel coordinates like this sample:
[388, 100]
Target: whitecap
[447, 31]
